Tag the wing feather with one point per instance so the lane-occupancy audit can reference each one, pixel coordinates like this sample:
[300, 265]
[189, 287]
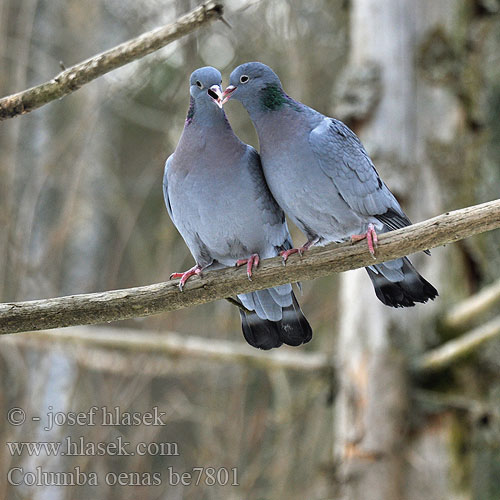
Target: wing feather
[165, 186]
[344, 160]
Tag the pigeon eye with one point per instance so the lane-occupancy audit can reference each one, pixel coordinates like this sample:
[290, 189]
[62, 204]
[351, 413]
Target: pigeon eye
[244, 79]
[199, 84]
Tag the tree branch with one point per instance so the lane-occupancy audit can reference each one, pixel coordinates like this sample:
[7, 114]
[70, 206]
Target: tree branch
[472, 307]
[115, 305]
[438, 402]
[446, 354]
[184, 346]
[73, 78]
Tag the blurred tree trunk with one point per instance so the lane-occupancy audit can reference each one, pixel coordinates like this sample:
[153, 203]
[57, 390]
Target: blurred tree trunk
[373, 406]
[17, 24]
[433, 137]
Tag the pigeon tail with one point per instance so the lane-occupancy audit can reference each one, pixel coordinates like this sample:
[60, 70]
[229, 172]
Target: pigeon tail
[292, 329]
[404, 292]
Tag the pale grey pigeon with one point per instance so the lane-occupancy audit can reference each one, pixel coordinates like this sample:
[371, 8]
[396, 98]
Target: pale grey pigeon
[217, 197]
[322, 177]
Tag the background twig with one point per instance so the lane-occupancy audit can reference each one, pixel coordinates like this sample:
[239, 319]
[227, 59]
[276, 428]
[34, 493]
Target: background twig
[74, 77]
[446, 354]
[186, 347]
[473, 307]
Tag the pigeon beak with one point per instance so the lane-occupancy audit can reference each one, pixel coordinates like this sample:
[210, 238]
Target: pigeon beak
[215, 93]
[227, 93]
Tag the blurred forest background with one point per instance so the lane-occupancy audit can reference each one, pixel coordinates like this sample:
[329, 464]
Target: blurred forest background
[81, 210]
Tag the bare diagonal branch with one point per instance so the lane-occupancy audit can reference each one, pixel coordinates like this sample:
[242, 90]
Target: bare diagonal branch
[453, 350]
[473, 307]
[115, 305]
[78, 75]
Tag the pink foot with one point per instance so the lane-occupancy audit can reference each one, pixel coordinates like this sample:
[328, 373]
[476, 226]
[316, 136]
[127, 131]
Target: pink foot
[252, 262]
[371, 239]
[186, 275]
[286, 253]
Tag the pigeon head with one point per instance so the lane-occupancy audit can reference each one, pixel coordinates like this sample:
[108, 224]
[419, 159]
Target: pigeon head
[205, 86]
[255, 85]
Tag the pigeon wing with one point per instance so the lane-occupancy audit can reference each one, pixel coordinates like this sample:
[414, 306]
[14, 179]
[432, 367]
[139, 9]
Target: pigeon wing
[165, 186]
[344, 160]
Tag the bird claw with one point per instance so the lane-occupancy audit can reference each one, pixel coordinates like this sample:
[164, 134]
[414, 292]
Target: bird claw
[196, 270]
[286, 253]
[252, 263]
[371, 238]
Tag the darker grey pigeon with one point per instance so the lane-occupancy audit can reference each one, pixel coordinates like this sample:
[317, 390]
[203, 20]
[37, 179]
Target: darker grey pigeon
[217, 197]
[322, 177]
